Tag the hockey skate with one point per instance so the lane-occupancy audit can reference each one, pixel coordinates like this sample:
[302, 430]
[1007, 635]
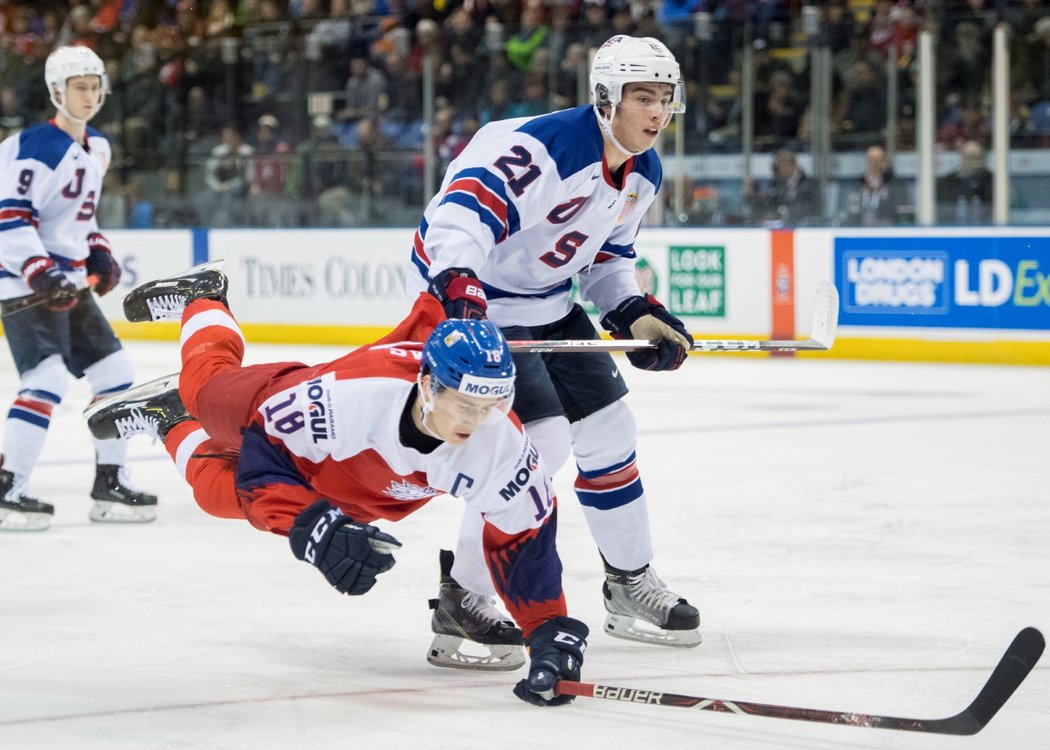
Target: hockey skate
[18, 512]
[459, 616]
[165, 299]
[116, 501]
[150, 409]
[641, 608]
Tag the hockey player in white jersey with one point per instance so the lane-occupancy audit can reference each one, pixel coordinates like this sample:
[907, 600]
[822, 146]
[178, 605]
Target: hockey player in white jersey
[50, 245]
[530, 204]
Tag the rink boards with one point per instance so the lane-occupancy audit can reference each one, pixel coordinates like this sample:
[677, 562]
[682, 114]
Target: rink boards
[935, 294]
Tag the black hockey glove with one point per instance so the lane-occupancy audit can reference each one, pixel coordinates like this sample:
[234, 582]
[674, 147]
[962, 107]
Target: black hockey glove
[44, 277]
[349, 554]
[102, 264]
[645, 318]
[460, 293]
[555, 653]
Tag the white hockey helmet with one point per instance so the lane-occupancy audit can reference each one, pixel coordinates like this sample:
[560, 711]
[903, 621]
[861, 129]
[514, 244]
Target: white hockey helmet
[626, 59]
[69, 62]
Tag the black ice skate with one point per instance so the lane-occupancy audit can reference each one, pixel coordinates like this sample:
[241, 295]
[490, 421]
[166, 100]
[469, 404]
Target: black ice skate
[17, 511]
[165, 299]
[116, 501]
[150, 409]
[460, 615]
[641, 608]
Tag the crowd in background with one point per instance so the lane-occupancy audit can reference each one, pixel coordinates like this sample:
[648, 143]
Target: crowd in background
[314, 109]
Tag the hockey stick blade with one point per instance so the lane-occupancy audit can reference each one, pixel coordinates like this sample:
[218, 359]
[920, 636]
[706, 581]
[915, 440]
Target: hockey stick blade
[1008, 675]
[822, 336]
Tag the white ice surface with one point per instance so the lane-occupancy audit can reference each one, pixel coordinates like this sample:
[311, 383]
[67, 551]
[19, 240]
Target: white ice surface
[858, 537]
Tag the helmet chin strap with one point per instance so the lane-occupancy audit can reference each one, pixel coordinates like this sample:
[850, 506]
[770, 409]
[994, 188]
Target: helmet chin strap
[61, 107]
[426, 407]
[606, 126]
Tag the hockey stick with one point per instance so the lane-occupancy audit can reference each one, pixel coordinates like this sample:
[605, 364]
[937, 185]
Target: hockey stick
[1015, 665]
[822, 336]
[18, 304]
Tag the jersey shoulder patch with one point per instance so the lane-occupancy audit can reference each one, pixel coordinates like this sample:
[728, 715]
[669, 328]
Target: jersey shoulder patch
[45, 143]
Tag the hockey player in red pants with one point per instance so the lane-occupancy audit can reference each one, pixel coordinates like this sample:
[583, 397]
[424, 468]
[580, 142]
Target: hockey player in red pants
[317, 453]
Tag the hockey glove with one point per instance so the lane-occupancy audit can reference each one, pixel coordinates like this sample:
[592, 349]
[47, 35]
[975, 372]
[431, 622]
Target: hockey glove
[460, 293]
[348, 553]
[555, 653]
[645, 318]
[101, 263]
[44, 277]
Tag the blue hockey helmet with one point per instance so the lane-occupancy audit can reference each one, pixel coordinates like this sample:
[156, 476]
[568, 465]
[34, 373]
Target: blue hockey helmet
[470, 357]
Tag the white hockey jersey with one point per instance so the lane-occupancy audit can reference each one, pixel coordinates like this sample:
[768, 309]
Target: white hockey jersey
[50, 186]
[528, 205]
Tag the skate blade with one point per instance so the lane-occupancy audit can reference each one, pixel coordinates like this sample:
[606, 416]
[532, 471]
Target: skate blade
[15, 520]
[632, 629]
[445, 651]
[104, 511]
[146, 390]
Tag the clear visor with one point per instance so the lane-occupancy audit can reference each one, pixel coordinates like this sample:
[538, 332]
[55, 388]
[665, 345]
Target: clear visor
[468, 409]
[662, 101]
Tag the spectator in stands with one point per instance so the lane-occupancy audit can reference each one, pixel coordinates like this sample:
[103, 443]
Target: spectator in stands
[595, 26]
[969, 124]
[113, 208]
[531, 34]
[364, 87]
[792, 197]
[572, 69]
[778, 115]
[963, 67]
[879, 199]
[840, 25]
[534, 98]
[142, 100]
[13, 115]
[498, 104]
[320, 177]
[173, 208]
[227, 174]
[140, 207]
[458, 77]
[330, 41]
[220, 19]
[862, 106]
[448, 143]
[429, 44]
[369, 183]
[403, 89]
[965, 196]
[271, 162]
[843, 62]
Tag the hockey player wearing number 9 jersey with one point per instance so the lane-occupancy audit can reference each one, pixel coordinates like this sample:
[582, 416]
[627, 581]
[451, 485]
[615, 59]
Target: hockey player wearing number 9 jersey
[529, 205]
[318, 453]
[50, 185]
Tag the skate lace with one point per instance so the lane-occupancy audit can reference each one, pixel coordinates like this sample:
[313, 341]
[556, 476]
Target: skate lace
[166, 307]
[482, 607]
[124, 480]
[136, 423]
[650, 592]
